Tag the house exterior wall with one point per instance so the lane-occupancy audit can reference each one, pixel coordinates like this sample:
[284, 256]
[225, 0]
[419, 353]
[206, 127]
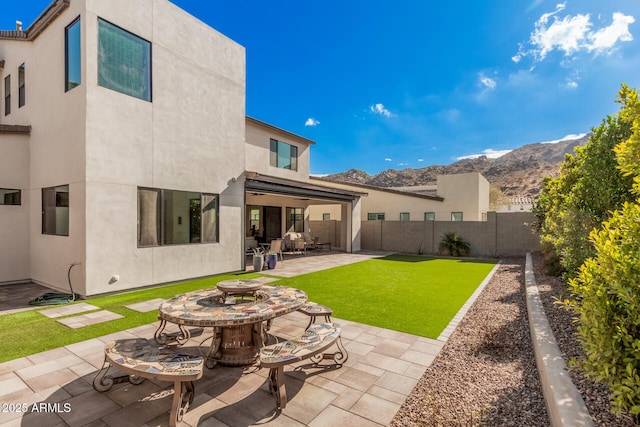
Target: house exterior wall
[258, 137]
[467, 193]
[105, 145]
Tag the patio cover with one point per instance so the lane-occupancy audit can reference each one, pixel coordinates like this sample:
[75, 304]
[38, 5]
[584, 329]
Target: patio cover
[270, 185]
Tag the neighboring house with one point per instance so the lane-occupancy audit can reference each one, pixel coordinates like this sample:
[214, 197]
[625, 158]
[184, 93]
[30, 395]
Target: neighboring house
[459, 197]
[125, 150]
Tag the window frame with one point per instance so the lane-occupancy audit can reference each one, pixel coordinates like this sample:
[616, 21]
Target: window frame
[275, 146]
[293, 223]
[375, 216]
[146, 90]
[405, 216]
[6, 201]
[21, 86]
[455, 214]
[326, 216]
[60, 199]
[7, 94]
[77, 60]
[154, 233]
[428, 214]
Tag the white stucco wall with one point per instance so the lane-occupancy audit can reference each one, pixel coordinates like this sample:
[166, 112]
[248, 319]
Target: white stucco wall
[105, 145]
[258, 140]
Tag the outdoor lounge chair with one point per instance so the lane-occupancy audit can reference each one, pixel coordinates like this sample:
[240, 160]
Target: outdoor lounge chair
[276, 247]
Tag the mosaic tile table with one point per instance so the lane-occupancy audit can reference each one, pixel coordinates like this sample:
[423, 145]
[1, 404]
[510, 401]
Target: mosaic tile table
[237, 320]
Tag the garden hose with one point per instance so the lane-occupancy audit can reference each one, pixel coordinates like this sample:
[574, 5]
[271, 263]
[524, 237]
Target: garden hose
[55, 298]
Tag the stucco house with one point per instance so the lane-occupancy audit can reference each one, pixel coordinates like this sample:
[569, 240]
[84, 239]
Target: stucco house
[456, 197]
[127, 159]
[123, 150]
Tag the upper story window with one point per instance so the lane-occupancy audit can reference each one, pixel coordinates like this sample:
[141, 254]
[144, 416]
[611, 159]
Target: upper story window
[10, 196]
[429, 216]
[72, 62]
[326, 217]
[55, 210]
[375, 216]
[21, 88]
[7, 95]
[170, 217]
[456, 216]
[404, 216]
[124, 61]
[284, 155]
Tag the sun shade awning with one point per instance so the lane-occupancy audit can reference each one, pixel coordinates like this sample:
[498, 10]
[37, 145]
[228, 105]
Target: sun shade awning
[271, 185]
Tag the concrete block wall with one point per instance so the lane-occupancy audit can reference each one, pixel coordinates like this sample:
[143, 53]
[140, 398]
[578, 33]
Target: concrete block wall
[502, 234]
[327, 231]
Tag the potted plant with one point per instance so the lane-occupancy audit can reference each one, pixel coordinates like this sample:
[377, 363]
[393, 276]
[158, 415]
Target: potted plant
[258, 259]
[271, 259]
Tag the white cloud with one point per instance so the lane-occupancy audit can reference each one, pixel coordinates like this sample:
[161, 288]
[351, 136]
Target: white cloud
[566, 138]
[311, 122]
[420, 160]
[388, 159]
[572, 34]
[487, 82]
[380, 109]
[489, 152]
[605, 38]
[571, 84]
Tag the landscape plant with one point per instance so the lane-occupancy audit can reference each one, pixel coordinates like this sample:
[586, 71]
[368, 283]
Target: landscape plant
[454, 245]
[588, 188]
[606, 291]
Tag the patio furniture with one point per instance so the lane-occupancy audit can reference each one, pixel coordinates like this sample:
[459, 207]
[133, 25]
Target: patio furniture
[237, 319]
[276, 247]
[140, 358]
[314, 310]
[310, 345]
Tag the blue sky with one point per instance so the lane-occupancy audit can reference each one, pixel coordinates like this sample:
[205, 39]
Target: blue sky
[389, 85]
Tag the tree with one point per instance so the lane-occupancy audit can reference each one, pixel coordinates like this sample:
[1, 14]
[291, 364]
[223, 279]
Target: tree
[606, 292]
[589, 187]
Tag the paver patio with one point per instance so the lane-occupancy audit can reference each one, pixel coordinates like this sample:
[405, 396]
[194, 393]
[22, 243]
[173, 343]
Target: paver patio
[382, 369]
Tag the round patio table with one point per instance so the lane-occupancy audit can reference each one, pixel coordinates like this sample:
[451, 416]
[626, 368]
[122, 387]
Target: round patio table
[238, 332]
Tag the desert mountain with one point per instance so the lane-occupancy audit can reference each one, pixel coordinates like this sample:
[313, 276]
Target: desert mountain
[518, 173]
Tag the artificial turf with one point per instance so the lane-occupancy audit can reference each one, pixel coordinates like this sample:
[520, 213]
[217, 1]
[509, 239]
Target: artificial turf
[414, 294]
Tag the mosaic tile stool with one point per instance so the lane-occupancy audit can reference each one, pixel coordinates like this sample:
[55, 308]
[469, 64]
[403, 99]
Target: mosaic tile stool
[141, 358]
[315, 340]
[314, 310]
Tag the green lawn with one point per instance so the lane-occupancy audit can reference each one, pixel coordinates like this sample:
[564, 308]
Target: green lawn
[413, 294]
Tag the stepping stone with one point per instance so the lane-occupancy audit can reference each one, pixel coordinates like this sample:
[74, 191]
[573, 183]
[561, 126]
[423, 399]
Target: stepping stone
[146, 306]
[89, 319]
[68, 310]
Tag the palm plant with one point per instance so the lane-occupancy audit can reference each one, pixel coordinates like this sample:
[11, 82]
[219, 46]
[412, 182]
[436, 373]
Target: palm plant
[453, 245]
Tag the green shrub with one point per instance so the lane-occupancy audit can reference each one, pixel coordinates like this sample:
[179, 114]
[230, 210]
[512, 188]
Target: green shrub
[454, 245]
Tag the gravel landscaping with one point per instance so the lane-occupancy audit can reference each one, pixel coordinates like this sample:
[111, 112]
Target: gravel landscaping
[486, 373]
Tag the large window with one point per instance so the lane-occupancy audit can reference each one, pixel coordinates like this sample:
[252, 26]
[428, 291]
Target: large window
[375, 216]
[72, 56]
[124, 61]
[284, 155]
[168, 217]
[55, 210]
[9, 196]
[21, 88]
[295, 220]
[7, 95]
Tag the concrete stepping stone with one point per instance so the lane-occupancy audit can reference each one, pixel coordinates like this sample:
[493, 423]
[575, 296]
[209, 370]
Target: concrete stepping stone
[68, 310]
[146, 306]
[89, 319]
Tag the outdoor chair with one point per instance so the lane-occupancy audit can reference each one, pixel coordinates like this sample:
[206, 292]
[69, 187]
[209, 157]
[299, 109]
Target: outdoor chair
[276, 247]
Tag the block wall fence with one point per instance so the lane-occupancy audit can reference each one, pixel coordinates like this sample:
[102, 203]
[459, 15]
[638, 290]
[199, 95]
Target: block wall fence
[502, 234]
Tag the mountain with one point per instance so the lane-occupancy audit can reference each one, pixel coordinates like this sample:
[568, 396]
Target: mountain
[518, 173]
